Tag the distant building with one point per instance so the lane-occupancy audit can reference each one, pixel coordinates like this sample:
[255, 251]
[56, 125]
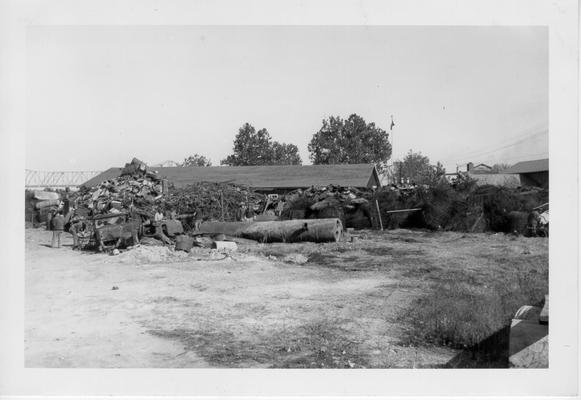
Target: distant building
[532, 173]
[478, 169]
[265, 178]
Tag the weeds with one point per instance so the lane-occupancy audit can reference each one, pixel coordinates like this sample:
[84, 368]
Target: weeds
[320, 344]
[464, 313]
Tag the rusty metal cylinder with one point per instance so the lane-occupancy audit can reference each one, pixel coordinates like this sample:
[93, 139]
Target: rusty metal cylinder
[303, 230]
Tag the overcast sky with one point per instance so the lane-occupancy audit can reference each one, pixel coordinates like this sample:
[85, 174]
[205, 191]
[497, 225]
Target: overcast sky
[98, 96]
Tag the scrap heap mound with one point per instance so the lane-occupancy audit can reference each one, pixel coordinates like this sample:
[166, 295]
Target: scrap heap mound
[136, 187]
[212, 201]
[463, 207]
[332, 201]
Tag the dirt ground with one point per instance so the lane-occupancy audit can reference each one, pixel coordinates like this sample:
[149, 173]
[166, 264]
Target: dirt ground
[305, 305]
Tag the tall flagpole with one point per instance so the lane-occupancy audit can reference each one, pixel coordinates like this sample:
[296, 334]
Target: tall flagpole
[391, 125]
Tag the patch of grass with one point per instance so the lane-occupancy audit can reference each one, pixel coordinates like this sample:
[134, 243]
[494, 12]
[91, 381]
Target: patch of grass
[319, 344]
[368, 259]
[379, 251]
[322, 259]
[454, 315]
[421, 271]
[465, 312]
[220, 349]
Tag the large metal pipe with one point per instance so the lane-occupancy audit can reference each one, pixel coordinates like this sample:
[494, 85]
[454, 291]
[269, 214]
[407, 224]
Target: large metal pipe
[303, 230]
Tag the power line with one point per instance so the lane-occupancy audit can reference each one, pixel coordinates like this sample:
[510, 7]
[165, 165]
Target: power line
[503, 146]
[480, 153]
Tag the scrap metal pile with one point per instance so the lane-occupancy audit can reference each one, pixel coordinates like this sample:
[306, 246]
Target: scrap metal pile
[143, 204]
[163, 211]
[213, 201]
[348, 204]
[463, 208]
[136, 188]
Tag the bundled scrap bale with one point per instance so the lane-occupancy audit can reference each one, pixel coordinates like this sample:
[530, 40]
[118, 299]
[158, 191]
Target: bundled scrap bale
[459, 207]
[297, 206]
[332, 201]
[391, 198]
[429, 206]
[499, 205]
[358, 214]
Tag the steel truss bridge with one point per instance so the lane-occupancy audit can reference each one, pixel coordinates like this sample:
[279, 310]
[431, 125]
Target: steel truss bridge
[57, 179]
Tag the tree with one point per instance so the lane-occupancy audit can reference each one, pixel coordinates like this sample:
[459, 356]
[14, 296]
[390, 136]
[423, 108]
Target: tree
[499, 168]
[417, 168]
[253, 147]
[350, 141]
[285, 154]
[196, 161]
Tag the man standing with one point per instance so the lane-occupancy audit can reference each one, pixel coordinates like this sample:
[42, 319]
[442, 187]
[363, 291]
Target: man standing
[76, 226]
[58, 226]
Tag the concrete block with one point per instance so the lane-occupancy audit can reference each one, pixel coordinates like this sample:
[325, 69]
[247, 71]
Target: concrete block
[529, 344]
[223, 245]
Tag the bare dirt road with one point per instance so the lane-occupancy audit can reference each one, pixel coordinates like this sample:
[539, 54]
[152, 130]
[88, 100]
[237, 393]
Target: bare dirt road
[281, 305]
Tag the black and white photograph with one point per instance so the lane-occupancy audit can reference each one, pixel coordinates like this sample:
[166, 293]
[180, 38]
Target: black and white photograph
[313, 197]
[287, 197]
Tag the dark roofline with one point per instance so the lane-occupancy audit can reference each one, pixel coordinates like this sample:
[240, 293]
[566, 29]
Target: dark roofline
[278, 176]
[525, 167]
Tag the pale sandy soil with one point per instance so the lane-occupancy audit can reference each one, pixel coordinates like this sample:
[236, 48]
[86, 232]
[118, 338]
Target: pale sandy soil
[263, 306]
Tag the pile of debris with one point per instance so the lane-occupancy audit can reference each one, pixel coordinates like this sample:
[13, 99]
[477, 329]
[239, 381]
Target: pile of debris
[345, 203]
[40, 205]
[464, 208]
[140, 188]
[136, 187]
[208, 201]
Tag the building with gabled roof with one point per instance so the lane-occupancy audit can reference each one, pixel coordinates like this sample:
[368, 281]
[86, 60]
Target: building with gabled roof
[264, 178]
[478, 169]
[532, 173]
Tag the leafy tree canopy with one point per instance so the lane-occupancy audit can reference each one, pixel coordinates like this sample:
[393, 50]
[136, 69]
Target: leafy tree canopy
[253, 147]
[418, 169]
[350, 141]
[498, 168]
[196, 161]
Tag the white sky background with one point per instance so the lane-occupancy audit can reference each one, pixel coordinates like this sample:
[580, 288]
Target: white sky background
[98, 96]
